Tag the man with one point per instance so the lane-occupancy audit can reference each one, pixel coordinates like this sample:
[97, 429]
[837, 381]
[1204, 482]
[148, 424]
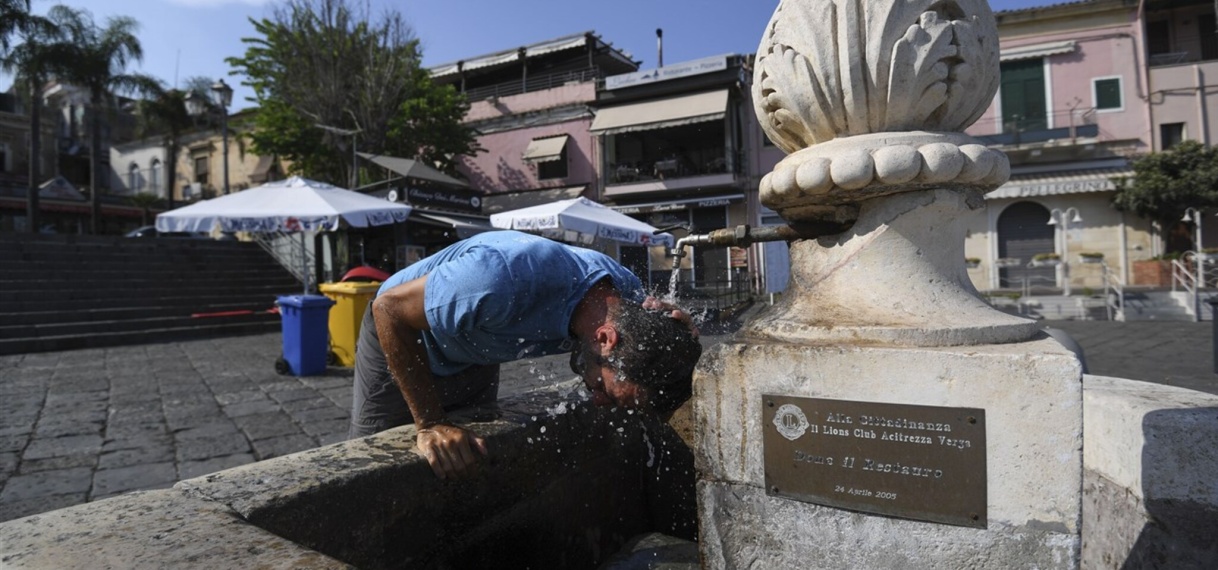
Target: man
[434, 337]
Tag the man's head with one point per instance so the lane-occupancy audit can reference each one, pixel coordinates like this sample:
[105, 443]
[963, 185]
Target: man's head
[649, 363]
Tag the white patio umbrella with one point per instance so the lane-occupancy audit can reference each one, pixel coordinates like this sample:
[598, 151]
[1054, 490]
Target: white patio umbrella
[583, 216]
[295, 205]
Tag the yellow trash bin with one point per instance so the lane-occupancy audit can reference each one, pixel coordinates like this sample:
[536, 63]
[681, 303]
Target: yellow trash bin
[350, 299]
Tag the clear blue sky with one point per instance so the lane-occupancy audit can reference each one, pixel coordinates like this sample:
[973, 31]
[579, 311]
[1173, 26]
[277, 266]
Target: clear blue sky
[185, 38]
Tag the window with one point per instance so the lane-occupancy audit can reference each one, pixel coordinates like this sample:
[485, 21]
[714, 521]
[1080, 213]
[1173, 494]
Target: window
[4, 158]
[1106, 94]
[1158, 37]
[1209, 41]
[1170, 134]
[1023, 96]
[201, 170]
[154, 176]
[553, 168]
[133, 177]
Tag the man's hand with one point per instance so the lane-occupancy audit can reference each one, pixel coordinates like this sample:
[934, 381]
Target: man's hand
[450, 450]
[654, 304]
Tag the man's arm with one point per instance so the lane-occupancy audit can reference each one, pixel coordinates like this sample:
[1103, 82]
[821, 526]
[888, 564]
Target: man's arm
[400, 316]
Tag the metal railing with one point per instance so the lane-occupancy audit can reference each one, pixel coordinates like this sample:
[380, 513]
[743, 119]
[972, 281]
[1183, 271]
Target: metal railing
[1114, 294]
[702, 295]
[1184, 278]
[532, 83]
[290, 251]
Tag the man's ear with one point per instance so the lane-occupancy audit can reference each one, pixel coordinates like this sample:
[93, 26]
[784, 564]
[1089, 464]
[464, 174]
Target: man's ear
[606, 338]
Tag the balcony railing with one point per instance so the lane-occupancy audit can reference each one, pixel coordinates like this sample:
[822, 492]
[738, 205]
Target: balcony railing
[533, 83]
[1078, 123]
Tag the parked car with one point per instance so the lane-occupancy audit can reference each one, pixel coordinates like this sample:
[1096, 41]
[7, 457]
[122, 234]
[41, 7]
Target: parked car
[151, 232]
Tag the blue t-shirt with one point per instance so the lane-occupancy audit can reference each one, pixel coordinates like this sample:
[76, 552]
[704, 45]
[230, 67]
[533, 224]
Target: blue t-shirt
[504, 295]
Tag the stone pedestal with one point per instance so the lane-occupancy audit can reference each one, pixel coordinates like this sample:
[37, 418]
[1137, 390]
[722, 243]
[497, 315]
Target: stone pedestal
[1032, 396]
[870, 99]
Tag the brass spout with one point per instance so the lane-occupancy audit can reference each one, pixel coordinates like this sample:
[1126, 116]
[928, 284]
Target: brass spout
[744, 235]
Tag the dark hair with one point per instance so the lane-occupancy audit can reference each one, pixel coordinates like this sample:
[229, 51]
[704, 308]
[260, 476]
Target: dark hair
[656, 352]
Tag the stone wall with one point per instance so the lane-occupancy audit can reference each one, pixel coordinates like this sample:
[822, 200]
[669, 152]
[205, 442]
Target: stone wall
[566, 486]
[1150, 497]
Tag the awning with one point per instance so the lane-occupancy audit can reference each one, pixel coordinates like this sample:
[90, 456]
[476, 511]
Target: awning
[495, 203]
[701, 202]
[411, 168]
[661, 114]
[1061, 182]
[1037, 50]
[510, 55]
[59, 188]
[545, 150]
[262, 169]
[465, 227]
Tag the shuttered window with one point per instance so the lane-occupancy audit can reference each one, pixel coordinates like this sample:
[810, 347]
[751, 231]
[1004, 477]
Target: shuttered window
[1023, 95]
[1108, 94]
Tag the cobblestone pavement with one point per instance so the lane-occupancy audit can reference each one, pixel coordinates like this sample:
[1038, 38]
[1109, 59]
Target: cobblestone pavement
[1173, 353]
[78, 426]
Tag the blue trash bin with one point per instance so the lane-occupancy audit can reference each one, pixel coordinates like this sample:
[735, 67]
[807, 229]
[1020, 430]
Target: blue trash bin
[306, 334]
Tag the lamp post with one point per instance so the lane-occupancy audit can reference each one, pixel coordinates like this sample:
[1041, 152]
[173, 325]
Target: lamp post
[1194, 215]
[1066, 219]
[223, 98]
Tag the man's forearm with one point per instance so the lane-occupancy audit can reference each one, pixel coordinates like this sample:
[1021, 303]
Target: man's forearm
[408, 363]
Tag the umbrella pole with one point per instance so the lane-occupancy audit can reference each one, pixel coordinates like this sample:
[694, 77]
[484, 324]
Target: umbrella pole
[304, 264]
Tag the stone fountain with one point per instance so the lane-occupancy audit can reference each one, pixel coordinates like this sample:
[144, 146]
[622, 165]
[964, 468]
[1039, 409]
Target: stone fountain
[882, 414]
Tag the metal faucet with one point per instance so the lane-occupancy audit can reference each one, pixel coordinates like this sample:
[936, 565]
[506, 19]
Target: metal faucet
[744, 235]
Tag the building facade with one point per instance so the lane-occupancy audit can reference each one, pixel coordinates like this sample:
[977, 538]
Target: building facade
[1071, 112]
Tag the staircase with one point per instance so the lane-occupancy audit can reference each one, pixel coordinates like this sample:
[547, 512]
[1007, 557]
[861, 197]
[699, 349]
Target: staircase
[66, 292]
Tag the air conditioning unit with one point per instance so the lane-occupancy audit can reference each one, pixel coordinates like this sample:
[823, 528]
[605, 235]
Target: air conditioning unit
[192, 190]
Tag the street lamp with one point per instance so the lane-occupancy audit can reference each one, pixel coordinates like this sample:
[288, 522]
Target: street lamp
[223, 98]
[1194, 215]
[1066, 219]
[354, 155]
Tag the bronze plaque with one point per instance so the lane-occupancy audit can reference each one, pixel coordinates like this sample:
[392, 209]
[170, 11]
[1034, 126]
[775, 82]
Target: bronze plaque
[916, 462]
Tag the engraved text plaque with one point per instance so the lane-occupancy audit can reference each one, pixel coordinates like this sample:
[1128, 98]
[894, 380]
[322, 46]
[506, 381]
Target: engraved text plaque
[916, 462]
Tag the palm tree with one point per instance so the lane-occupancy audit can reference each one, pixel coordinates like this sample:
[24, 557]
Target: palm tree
[99, 66]
[40, 54]
[145, 202]
[165, 113]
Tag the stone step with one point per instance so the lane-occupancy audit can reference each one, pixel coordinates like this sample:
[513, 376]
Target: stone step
[73, 328]
[120, 297]
[144, 283]
[98, 340]
[124, 313]
[44, 304]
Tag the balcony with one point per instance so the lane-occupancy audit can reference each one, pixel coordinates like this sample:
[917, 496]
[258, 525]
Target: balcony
[532, 83]
[1080, 124]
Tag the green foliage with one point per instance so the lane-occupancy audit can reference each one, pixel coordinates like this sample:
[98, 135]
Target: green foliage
[1166, 183]
[145, 201]
[1046, 257]
[326, 63]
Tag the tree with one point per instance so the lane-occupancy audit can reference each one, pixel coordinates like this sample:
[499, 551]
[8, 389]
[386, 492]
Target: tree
[164, 112]
[1166, 183]
[145, 201]
[321, 66]
[99, 65]
[40, 54]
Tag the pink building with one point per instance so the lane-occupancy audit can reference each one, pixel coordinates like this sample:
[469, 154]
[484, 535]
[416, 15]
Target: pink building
[533, 106]
[1071, 111]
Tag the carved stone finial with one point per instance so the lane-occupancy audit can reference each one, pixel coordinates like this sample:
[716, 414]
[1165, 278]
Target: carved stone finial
[869, 96]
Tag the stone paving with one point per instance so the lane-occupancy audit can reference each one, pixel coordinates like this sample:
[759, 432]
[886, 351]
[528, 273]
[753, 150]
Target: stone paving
[83, 425]
[78, 426]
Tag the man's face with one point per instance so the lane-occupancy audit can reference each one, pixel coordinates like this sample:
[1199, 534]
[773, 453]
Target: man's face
[601, 379]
